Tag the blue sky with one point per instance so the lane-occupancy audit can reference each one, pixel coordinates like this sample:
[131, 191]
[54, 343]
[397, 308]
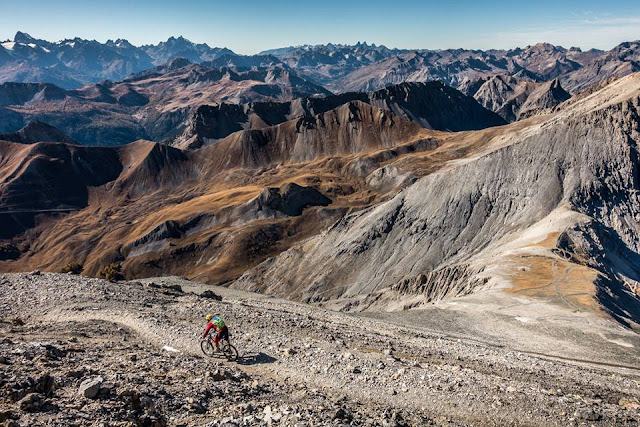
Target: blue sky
[250, 26]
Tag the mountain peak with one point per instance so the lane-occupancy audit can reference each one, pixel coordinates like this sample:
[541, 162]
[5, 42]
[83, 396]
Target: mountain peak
[37, 131]
[173, 39]
[176, 63]
[545, 48]
[123, 42]
[21, 37]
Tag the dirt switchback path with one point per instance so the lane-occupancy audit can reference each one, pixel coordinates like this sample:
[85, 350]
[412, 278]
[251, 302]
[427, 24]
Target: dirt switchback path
[300, 364]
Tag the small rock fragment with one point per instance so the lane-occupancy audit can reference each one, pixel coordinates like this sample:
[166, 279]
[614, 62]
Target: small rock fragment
[629, 403]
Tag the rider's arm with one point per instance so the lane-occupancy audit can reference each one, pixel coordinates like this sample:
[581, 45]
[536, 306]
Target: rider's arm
[206, 331]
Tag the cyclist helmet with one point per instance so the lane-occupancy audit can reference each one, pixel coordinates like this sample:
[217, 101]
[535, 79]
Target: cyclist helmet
[209, 317]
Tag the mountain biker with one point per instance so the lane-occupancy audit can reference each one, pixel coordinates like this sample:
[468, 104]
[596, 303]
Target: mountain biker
[217, 324]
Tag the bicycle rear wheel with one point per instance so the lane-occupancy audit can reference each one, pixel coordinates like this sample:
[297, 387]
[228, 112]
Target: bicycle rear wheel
[207, 347]
[230, 352]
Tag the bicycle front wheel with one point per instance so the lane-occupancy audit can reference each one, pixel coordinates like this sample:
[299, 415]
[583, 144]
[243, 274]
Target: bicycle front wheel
[207, 347]
[230, 352]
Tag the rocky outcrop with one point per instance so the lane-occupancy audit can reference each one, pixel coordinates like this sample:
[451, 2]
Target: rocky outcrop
[493, 93]
[210, 123]
[440, 284]
[290, 199]
[543, 99]
[470, 86]
[514, 99]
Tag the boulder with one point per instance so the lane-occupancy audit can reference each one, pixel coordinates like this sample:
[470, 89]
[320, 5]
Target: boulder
[46, 384]
[6, 414]
[211, 295]
[586, 414]
[89, 388]
[31, 402]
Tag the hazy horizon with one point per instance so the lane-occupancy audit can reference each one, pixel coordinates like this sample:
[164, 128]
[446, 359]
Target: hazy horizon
[256, 26]
[584, 48]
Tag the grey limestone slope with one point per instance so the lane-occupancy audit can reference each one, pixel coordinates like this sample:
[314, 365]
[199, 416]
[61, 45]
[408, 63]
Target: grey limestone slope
[435, 237]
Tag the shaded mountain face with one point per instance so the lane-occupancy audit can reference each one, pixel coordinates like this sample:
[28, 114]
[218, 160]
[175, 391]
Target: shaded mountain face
[47, 178]
[37, 132]
[432, 105]
[435, 105]
[566, 185]
[543, 99]
[72, 63]
[149, 105]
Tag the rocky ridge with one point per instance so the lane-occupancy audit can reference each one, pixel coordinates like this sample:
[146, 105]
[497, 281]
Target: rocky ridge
[431, 105]
[515, 99]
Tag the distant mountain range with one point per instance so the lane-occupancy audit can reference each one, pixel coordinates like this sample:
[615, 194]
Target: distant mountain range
[72, 63]
[190, 104]
[114, 93]
[153, 104]
[340, 68]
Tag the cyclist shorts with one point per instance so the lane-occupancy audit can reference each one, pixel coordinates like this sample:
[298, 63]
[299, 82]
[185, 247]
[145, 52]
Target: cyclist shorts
[221, 335]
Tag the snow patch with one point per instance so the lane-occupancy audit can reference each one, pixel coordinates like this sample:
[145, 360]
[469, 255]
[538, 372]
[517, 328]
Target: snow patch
[8, 45]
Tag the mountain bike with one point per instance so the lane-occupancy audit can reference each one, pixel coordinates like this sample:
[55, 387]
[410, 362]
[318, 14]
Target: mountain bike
[208, 347]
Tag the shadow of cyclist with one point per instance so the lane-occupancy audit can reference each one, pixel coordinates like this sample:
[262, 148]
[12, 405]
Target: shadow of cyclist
[255, 359]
